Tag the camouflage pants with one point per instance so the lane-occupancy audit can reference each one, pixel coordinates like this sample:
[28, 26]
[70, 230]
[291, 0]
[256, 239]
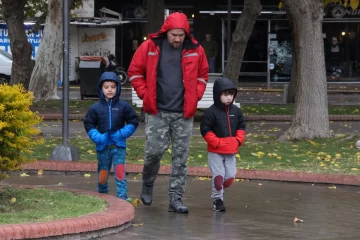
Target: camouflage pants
[160, 130]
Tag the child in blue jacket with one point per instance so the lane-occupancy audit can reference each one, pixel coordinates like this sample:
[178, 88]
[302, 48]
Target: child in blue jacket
[109, 122]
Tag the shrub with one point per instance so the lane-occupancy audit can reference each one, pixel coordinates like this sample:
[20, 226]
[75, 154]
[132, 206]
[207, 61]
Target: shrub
[17, 129]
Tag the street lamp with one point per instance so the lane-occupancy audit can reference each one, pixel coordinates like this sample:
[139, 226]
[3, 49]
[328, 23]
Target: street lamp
[65, 152]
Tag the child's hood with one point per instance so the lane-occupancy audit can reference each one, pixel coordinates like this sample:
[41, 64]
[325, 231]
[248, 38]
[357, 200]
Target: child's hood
[109, 76]
[221, 85]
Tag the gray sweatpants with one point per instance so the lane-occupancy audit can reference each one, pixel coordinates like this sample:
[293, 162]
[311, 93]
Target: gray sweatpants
[223, 170]
[162, 130]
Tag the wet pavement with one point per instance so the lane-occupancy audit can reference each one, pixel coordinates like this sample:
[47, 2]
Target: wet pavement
[255, 210]
[271, 128]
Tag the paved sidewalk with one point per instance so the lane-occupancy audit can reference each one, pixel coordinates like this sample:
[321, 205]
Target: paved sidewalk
[255, 210]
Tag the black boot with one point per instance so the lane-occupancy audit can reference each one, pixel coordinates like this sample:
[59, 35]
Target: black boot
[146, 193]
[218, 205]
[176, 205]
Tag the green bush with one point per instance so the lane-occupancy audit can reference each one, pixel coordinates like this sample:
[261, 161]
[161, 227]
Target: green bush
[17, 131]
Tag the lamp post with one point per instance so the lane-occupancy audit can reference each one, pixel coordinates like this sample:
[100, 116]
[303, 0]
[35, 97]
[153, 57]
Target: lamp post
[65, 152]
[228, 34]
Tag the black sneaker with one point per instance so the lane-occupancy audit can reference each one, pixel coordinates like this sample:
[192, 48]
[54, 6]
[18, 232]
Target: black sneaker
[176, 205]
[218, 205]
[146, 193]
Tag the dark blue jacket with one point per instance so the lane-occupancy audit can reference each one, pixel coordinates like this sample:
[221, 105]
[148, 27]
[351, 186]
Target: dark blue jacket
[109, 123]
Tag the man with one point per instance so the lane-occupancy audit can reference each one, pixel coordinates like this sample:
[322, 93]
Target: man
[169, 72]
[211, 50]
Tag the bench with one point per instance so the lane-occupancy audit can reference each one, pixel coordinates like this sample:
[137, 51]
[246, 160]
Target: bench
[206, 101]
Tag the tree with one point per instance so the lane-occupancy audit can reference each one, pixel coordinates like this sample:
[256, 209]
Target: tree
[13, 11]
[155, 15]
[244, 27]
[43, 82]
[46, 73]
[311, 118]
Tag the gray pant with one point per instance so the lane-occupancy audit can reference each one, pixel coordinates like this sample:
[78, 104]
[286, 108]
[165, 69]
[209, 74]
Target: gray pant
[223, 170]
[160, 130]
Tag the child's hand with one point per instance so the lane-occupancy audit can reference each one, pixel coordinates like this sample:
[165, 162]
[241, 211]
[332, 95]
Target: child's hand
[102, 141]
[117, 136]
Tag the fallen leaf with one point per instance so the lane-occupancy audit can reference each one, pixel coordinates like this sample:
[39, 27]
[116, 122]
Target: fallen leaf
[237, 155]
[13, 200]
[137, 224]
[297, 220]
[135, 201]
[87, 175]
[91, 152]
[24, 175]
[260, 184]
[60, 184]
[332, 187]
[40, 172]
[200, 156]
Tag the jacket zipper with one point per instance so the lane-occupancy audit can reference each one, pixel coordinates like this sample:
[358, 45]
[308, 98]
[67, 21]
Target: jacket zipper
[109, 105]
[228, 119]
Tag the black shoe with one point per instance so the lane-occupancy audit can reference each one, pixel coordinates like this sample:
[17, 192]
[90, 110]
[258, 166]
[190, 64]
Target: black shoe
[146, 193]
[218, 205]
[176, 205]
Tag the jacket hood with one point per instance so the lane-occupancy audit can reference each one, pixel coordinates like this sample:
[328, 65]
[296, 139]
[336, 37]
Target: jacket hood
[173, 21]
[109, 76]
[221, 85]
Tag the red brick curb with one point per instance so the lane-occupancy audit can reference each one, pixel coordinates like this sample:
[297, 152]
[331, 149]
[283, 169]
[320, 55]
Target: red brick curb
[118, 216]
[80, 117]
[204, 171]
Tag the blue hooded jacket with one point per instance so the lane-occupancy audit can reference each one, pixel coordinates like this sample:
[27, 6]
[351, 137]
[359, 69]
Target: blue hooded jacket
[110, 123]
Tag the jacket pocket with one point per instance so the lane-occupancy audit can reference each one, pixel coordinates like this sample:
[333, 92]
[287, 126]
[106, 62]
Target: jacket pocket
[228, 145]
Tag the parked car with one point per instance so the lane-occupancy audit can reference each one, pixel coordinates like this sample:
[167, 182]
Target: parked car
[5, 66]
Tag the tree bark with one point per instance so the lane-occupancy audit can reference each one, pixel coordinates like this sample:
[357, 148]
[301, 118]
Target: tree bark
[21, 49]
[155, 15]
[293, 81]
[46, 72]
[244, 28]
[311, 118]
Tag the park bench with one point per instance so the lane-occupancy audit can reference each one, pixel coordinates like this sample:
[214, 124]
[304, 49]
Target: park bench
[206, 101]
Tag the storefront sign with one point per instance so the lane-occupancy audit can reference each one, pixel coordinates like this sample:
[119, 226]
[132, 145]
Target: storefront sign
[342, 9]
[96, 41]
[34, 38]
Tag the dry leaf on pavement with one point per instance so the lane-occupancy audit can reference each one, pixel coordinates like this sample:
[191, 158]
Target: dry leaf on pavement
[297, 220]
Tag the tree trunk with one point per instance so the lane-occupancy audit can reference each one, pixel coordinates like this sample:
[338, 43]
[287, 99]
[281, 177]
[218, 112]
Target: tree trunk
[293, 81]
[244, 28]
[46, 72]
[310, 119]
[155, 15]
[21, 49]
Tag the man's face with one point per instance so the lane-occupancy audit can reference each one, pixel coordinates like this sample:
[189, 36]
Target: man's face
[208, 37]
[176, 37]
[334, 41]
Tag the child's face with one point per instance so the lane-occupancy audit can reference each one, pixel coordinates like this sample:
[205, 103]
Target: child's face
[226, 98]
[109, 89]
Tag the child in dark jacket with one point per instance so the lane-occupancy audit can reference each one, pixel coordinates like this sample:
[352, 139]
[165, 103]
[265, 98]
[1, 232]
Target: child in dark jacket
[109, 122]
[223, 128]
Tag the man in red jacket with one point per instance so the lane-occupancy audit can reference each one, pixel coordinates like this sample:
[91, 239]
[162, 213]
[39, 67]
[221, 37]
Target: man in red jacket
[169, 72]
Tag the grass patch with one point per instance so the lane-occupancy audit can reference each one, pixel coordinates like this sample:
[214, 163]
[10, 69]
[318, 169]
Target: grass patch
[334, 155]
[39, 204]
[288, 109]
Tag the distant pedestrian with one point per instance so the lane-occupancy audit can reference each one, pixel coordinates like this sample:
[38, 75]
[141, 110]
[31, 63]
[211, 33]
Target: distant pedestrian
[223, 128]
[109, 122]
[211, 51]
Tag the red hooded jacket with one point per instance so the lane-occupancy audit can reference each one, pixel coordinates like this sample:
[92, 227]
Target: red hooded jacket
[143, 67]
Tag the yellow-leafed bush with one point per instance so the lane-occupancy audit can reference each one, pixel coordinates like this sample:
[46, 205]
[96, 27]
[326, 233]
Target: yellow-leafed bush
[17, 127]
